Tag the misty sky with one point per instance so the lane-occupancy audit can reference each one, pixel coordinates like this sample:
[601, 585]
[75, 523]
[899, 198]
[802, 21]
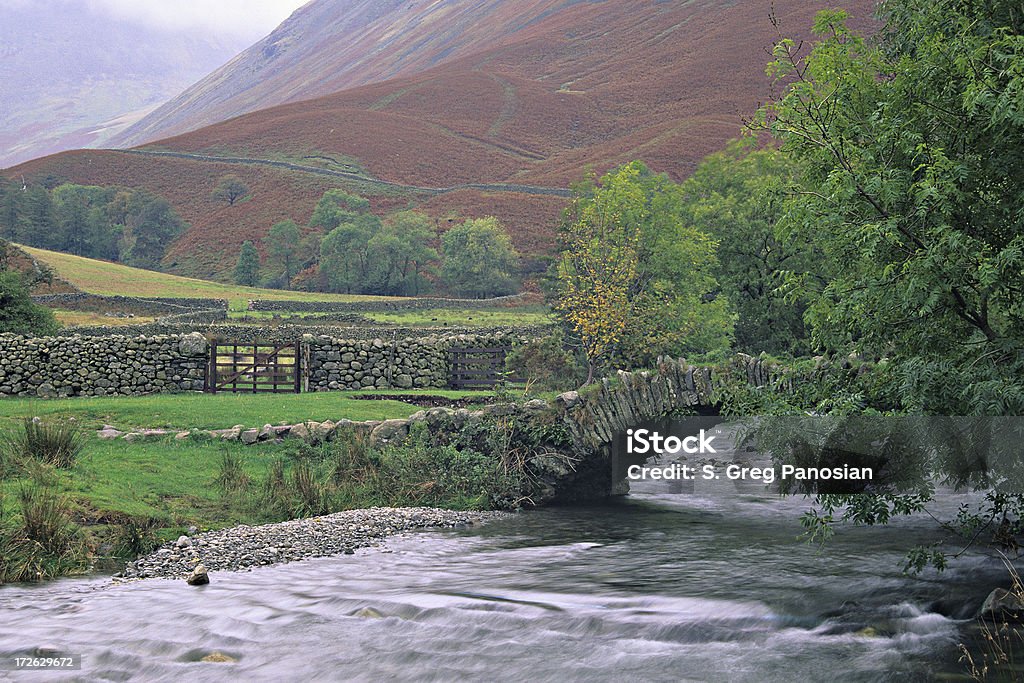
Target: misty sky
[249, 19]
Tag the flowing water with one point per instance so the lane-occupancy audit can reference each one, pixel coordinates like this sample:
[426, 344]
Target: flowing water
[653, 587]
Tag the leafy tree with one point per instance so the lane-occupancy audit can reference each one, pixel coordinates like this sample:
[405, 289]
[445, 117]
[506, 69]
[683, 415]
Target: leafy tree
[38, 219]
[911, 157]
[11, 208]
[230, 189]
[18, 314]
[151, 225]
[635, 279]
[737, 196]
[336, 207]
[344, 252]
[247, 271]
[283, 247]
[83, 227]
[479, 260]
[398, 254]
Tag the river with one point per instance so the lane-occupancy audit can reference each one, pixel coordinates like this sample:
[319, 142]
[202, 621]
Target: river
[656, 586]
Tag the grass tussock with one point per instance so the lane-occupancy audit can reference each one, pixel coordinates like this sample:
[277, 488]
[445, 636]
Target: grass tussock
[58, 444]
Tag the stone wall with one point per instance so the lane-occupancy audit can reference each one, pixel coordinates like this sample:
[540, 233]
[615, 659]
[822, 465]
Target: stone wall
[101, 366]
[417, 304]
[155, 306]
[135, 365]
[415, 362]
[285, 333]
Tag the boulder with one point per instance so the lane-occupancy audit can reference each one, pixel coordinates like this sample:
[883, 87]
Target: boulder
[183, 542]
[389, 430]
[1003, 604]
[194, 344]
[199, 576]
[249, 436]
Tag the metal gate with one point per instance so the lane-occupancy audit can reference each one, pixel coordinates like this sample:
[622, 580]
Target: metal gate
[254, 368]
[478, 368]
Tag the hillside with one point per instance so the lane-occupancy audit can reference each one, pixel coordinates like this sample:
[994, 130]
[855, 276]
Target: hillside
[74, 77]
[111, 279]
[582, 84]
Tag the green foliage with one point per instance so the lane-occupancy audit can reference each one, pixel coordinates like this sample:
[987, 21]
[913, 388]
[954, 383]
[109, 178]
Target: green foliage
[398, 254]
[230, 189]
[150, 225]
[636, 281]
[479, 260]
[283, 242]
[910, 159]
[247, 271]
[545, 364]
[737, 196]
[18, 314]
[363, 255]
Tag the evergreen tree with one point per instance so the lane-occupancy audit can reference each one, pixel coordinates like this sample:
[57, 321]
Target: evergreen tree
[247, 271]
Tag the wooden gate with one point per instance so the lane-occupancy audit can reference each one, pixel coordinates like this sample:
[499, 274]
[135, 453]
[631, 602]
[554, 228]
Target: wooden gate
[254, 368]
[480, 368]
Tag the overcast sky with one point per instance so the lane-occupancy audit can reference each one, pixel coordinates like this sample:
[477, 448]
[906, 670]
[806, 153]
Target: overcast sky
[249, 19]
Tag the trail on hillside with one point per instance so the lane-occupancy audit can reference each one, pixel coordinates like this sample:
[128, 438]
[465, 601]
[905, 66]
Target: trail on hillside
[483, 187]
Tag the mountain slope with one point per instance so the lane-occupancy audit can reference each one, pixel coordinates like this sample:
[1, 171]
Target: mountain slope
[531, 103]
[72, 77]
[331, 45]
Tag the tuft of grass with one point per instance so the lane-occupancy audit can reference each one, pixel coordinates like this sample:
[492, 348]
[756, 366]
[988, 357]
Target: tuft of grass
[41, 542]
[57, 444]
[232, 478]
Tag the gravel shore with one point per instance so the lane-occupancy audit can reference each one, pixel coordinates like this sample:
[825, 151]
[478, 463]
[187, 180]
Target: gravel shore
[243, 547]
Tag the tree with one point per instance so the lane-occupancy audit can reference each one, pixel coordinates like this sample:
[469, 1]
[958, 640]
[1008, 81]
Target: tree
[18, 314]
[247, 271]
[635, 280]
[336, 207]
[911, 157]
[230, 189]
[283, 242]
[398, 254]
[151, 225]
[344, 253]
[737, 196]
[479, 260]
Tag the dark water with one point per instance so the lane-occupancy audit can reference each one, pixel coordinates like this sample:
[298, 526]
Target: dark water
[657, 587]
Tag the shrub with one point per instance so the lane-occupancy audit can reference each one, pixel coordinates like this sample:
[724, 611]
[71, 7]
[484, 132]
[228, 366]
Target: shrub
[545, 364]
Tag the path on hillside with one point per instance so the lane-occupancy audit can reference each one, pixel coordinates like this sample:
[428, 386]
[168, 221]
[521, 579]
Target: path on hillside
[484, 187]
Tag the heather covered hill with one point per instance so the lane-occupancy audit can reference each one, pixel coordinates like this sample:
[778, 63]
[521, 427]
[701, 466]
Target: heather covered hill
[522, 97]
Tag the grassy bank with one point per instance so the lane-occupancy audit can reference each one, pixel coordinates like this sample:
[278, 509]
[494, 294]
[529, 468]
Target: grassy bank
[104, 277]
[114, 499]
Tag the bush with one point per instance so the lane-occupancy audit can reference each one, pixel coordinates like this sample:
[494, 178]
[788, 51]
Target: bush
[545, 364]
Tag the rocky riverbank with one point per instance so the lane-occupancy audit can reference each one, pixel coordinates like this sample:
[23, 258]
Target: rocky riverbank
[244, 547]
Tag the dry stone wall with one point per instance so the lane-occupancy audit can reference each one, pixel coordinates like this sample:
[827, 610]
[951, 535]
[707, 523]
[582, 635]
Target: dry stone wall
[135, 365]
[340, 364]
[411, 304]
[52, 367]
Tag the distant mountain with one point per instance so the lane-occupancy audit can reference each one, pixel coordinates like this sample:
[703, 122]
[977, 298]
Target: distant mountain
[331, 45]
[71, 77]
[467, 108]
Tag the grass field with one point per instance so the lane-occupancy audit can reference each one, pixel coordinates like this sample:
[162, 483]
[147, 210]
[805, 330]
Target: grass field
[439, 317]
[103, 277]
[201, 411]
[78, 318]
